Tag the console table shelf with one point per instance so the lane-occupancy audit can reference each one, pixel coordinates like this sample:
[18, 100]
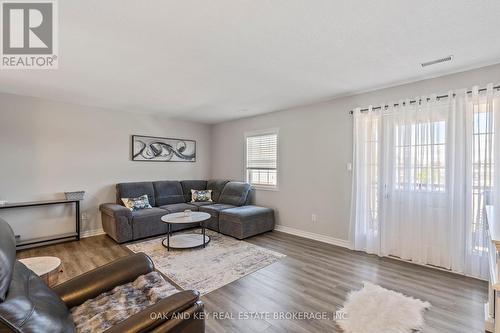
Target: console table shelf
[49, 239]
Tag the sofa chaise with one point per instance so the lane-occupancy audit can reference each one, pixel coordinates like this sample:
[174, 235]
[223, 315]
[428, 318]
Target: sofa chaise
[230, 210]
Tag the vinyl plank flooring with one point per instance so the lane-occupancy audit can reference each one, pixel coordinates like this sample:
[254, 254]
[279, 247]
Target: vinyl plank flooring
[79, 256]
[314, 277]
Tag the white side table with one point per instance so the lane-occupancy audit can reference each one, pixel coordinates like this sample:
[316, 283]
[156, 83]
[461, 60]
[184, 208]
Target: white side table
[47, 268]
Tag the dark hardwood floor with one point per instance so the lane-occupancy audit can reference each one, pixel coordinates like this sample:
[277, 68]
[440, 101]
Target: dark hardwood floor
[314, 277]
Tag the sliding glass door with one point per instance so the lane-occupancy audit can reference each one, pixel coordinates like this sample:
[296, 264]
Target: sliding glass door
[423, 174]
[415, 197]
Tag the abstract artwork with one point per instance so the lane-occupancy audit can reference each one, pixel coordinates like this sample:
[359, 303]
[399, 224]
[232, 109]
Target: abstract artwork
[156, 149]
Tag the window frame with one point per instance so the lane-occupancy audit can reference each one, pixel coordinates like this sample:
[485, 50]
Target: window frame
[269, 131]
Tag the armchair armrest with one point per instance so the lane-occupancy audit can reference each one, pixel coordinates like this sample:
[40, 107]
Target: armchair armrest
[102, 279]
[160, 314]
[115, 210]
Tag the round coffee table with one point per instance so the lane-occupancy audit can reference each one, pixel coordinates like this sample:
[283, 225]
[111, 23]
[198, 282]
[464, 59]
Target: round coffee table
[47, 268]
[189, 240]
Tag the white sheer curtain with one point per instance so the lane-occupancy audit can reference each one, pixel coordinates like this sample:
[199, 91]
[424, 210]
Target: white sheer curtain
[366, 180]
[417, 196]
[422, 175]
[483, 113]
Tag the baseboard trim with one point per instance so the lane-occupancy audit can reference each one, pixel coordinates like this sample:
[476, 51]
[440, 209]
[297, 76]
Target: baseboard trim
[90, 233]
[311, 235]
[288, 230]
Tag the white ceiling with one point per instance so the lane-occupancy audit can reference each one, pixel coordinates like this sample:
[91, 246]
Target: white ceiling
[216, 60]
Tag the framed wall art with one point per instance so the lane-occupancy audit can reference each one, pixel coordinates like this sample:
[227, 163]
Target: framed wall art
[158, 149]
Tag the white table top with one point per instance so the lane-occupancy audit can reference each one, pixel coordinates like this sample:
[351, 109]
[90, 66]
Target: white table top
[41, 265]
[181, 218]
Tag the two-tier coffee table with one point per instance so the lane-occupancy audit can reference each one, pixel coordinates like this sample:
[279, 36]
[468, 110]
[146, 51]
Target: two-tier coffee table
[185, 240]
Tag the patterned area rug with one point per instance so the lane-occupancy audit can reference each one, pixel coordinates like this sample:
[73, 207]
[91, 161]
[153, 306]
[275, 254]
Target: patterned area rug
[374, 309]
[222, 261]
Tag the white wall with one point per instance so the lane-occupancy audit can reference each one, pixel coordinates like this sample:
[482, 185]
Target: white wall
[48, 147]
[315, 145]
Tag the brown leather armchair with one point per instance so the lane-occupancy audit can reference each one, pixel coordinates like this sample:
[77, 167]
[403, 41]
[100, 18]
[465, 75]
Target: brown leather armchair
[28, 305]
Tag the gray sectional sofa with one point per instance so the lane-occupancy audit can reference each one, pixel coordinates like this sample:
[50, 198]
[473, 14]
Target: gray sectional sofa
[231, 212]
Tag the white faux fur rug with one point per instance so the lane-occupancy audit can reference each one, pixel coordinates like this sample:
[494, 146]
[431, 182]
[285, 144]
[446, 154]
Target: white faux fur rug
[222, 261]
[374, 309]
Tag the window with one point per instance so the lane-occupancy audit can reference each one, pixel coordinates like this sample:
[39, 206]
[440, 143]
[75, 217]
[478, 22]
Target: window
[420, 156]
[262, 159]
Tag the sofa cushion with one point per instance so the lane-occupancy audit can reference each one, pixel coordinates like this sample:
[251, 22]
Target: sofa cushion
[168, 192]
[245, 221]
[144, 213]
[179, 207]
[213, 210]
[134, 190]
[201, 203]
[188, 185]
[234, 193]
[7, 256]
[110, 308]
[216, 185]
[31, 306]
[147, 222]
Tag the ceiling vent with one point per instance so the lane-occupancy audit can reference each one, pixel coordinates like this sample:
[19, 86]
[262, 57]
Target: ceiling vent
[437, 61]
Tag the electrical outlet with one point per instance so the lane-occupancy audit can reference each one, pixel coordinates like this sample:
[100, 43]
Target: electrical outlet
[85, 216]
[314, 218]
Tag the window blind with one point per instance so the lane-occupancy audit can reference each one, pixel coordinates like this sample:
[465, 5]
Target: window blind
[262, 159]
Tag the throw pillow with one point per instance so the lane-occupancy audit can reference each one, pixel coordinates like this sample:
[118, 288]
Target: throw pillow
[201, 195]
[134, 204]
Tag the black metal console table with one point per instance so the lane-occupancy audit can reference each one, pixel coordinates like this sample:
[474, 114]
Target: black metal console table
[50, 239]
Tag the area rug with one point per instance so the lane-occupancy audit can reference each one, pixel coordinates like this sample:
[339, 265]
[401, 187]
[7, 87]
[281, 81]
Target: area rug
[374, 309]
[222, 261]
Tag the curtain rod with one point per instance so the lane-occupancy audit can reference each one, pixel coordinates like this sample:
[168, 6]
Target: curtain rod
[428, 99]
